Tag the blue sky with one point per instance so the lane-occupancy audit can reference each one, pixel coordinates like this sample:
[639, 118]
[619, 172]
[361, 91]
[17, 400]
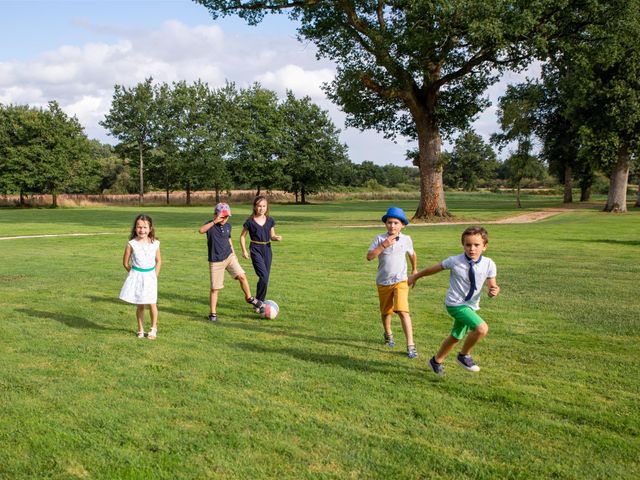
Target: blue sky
[75, 51]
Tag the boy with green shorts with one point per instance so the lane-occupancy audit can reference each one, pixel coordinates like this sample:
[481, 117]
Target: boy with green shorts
[469, 271]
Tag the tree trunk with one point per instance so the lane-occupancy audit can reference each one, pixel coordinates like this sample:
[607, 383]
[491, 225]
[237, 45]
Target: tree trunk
[167, 196]
[141, 194]
[296, 196]
[568, 184]
[54, 200]
[518, 203]
[302, 196]
[188, 191]
[21, 198]
[585, 192]
[638, 197]
[217, 190]
[617, 196]
[432, 203]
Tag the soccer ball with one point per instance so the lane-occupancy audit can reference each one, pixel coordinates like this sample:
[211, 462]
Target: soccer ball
[270, 309]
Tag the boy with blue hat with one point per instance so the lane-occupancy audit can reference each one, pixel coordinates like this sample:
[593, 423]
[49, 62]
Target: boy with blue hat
[390, 249]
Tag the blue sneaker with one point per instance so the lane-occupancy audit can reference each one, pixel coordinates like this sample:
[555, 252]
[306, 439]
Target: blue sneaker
[437, 368]
[213, 317]
[466, 362]
[412, 352]
[389, 341]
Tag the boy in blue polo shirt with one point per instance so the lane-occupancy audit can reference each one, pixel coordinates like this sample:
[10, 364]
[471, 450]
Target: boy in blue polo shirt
[390, 249]
[469, 271]
[222, 257]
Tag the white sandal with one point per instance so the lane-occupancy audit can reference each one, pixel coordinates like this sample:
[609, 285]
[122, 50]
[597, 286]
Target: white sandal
[152, 334]
[141, 334]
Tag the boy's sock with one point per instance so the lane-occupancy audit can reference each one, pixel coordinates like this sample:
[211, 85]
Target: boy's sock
[388, 340]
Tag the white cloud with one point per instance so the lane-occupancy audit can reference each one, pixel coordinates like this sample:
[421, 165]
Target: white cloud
[295, 78]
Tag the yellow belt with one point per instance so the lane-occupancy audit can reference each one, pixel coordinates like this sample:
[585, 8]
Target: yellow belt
[260, 243]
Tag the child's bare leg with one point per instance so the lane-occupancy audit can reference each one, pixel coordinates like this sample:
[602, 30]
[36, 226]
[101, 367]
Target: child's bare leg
[407, 327]
[386, 323]
[140, 317]
[153, 313]
[446, 347]
[213, 301]
[474, 337]
[244, 284]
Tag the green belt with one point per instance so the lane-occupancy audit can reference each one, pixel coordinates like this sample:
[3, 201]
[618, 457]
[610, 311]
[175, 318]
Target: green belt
[138, 269]
[260, 243]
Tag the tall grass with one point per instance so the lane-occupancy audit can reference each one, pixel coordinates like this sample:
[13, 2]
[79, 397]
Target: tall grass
[314, 393]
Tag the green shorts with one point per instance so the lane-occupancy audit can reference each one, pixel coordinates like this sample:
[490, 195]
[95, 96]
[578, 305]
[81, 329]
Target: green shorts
[464, 319]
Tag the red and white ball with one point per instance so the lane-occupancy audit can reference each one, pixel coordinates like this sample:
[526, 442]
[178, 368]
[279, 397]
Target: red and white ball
[270, 309]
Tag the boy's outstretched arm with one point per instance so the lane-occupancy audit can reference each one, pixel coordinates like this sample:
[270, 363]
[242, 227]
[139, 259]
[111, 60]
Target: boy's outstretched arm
[423, 273]
[493, 287]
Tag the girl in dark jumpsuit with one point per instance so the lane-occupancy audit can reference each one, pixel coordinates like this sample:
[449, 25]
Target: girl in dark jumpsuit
[261, 229]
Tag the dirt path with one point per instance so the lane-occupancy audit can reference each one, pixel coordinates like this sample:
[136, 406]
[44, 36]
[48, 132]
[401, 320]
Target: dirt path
[57, 235]
[529, 217]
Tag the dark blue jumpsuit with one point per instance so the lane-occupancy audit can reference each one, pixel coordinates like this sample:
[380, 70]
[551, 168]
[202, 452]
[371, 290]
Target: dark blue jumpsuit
[260, 250]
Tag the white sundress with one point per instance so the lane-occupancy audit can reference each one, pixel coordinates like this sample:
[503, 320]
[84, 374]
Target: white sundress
[141, 287]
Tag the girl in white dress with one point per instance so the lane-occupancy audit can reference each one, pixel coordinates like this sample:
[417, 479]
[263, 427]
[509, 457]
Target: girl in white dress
[142, 260]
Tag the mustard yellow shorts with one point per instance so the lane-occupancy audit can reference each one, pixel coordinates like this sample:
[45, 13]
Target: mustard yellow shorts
[394, 298]
[216, 271]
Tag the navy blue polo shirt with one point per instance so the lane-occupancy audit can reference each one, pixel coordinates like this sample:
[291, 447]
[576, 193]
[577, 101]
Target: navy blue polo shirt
[218, 244]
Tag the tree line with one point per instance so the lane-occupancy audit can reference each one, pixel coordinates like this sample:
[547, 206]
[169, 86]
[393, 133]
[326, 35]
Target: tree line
[184, 137]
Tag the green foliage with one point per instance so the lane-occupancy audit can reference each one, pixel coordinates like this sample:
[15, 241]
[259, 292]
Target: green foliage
[44, 151]
[132, 120]
[471, 163]
[314, 393]
[311, 149]
[257, 138]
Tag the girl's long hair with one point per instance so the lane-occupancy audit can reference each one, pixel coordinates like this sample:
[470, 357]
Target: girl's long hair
[259, 198]
[144, 218]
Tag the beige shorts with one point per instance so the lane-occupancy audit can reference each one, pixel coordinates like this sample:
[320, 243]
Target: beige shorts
[216, 271]
[394, 298]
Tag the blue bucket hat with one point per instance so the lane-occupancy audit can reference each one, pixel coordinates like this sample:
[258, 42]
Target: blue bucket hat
[395, 212]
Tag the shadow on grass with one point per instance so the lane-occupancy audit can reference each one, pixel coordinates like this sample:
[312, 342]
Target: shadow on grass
[161, 308]
[266, 326]
[69, 320]
[350, 363]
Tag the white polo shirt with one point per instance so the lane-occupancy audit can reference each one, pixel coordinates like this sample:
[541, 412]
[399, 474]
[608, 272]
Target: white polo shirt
[392, 261]
[459, 280]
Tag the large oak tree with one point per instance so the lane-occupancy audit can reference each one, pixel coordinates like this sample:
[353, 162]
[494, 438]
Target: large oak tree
[419, 68]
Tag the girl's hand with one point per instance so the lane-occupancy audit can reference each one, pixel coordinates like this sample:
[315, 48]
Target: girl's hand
[277, 238]
[245, 254]
[493, 291]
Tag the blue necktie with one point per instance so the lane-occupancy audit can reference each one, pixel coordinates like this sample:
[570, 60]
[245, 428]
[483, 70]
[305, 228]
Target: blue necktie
[472, 277]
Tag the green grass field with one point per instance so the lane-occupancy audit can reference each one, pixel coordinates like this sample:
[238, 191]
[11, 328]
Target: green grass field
[314, 393]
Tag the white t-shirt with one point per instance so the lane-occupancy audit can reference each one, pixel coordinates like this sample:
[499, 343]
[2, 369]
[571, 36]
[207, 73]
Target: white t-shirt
[392, 261]
[459, 280]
